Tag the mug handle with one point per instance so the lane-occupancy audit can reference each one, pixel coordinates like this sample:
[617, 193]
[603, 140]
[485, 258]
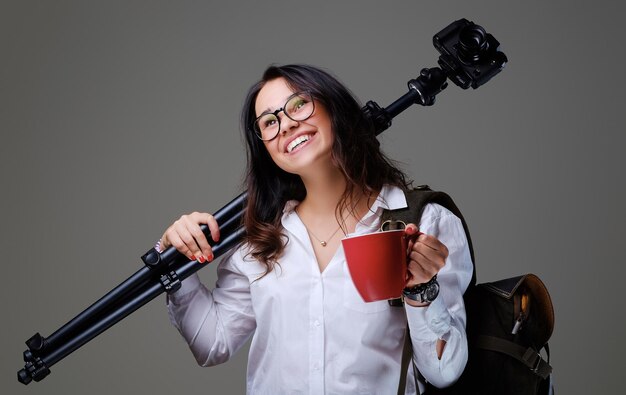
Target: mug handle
[392, 225]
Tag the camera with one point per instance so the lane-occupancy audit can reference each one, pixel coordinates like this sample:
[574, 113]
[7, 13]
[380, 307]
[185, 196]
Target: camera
[469, 55]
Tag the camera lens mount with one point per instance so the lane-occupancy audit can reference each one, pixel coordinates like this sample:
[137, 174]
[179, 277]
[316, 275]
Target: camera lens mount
[472, 44]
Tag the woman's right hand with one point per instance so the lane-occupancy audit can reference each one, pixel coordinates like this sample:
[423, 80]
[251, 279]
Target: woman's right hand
[187, 237]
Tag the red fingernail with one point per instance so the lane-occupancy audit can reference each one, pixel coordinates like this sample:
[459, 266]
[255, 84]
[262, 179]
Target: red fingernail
[193, 257]
[201, 259]
[210, 257]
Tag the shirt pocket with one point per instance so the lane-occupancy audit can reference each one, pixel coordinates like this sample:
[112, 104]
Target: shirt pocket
[352, 300]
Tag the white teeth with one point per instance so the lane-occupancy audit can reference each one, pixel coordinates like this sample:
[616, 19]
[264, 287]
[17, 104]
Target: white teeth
[296, 142]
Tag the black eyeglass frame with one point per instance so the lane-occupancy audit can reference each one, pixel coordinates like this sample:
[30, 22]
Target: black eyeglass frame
[257, 130]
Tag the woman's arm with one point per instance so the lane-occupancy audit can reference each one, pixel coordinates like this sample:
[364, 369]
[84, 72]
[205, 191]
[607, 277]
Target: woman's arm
[214, 323]
[438, 330]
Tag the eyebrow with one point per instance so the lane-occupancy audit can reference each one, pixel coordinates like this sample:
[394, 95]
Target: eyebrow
[269, 110]
[266, 111]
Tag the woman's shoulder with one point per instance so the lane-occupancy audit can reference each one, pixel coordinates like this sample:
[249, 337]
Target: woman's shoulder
[436, 219]
[240, 260]
[434, 211]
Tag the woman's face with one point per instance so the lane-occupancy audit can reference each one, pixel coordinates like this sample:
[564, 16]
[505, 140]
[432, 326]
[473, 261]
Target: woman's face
[300, 146]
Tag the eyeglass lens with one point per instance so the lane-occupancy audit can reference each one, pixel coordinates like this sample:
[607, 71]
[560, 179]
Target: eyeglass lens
[298, 107]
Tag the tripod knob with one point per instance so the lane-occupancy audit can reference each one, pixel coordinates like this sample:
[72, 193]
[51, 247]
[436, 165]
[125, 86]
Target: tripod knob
[23, 377]
[36, 343]
[34, 369]
[428, 85]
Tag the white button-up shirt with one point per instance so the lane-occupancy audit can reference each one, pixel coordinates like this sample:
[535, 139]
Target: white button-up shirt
[311, 331]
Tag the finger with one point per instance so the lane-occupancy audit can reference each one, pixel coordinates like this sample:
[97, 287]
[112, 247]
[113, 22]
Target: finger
[211, 222]
[427, 258]
[429, 265]
[438, 256]
[411, 229]
[200, 236]
[409, 246]
[194, 238]
[205, 253]
[180, 245]
[411, 232]
[165, 242]
[419, 274]
[433, 243]
[213, 227]
[188, 241]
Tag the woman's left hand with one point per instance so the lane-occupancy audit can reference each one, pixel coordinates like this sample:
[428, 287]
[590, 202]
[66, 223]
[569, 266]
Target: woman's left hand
[426, 256]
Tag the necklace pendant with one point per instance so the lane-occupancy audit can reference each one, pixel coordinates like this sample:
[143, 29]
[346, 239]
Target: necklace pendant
[323, 243]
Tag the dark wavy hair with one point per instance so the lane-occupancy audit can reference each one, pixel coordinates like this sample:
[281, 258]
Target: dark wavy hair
[355, 151]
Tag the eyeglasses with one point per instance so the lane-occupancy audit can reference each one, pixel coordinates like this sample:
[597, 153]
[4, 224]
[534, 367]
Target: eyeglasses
[298, 107]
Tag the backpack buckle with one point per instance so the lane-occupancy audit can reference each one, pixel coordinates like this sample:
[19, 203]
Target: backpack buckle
[536, 368]
[533, 358]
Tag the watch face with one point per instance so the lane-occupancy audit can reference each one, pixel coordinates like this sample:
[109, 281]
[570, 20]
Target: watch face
[431, 292]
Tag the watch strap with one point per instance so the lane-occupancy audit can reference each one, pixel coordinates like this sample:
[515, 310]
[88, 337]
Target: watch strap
[423, 293]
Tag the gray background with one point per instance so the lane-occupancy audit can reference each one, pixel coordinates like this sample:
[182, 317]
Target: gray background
[118, 117]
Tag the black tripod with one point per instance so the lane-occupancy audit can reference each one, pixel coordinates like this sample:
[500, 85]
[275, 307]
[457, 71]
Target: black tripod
[469, 57]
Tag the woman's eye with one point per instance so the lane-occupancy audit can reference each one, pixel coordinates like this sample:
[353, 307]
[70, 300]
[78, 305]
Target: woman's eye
[269, 122]
[298, 104]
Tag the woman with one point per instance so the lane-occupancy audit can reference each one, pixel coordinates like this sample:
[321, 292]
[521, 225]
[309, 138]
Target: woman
[315, 174]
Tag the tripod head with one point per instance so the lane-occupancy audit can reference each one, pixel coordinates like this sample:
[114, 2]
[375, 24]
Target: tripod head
[469, 57]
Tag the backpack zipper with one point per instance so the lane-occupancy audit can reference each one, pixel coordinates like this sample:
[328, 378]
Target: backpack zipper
[523, 314]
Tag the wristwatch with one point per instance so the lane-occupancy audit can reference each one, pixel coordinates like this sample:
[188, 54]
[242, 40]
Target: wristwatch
[423, 293]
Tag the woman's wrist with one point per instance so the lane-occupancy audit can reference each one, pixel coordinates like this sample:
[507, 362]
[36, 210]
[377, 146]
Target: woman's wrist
[423, 293]
[161, 245]
[415, 303]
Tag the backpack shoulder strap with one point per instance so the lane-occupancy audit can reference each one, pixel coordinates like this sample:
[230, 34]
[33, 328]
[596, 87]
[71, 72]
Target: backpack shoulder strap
[417, 199]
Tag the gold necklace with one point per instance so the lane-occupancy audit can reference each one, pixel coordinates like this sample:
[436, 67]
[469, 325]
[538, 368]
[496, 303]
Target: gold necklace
[323, 243]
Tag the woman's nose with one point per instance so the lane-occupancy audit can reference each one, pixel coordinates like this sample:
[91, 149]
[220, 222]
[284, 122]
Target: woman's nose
[287, 124]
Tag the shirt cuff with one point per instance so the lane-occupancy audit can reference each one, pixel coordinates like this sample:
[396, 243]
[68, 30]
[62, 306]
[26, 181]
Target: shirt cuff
[433, 319]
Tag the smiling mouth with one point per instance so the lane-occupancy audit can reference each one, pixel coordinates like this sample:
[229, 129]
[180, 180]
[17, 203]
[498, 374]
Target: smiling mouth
[298, 142]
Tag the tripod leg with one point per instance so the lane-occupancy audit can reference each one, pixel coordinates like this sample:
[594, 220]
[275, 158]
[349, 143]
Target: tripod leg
[137, 280]
[228, 216]
[38, 363]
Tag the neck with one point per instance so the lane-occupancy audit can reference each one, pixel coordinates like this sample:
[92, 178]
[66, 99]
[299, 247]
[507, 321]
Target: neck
[323, 191]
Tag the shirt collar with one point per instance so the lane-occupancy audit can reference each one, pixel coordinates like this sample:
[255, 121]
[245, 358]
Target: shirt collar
[390, 198]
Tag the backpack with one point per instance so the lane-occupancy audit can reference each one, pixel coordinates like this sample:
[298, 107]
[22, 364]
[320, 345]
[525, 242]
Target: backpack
[509, 322]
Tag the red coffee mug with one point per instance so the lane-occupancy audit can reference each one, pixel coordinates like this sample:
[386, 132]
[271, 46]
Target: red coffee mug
[377, 263]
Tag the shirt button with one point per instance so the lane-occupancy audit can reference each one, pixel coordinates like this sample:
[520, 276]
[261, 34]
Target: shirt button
[316, 366]
[316, 323]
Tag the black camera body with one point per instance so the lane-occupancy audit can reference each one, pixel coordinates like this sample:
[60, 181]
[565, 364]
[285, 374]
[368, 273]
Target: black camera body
[469, 55]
